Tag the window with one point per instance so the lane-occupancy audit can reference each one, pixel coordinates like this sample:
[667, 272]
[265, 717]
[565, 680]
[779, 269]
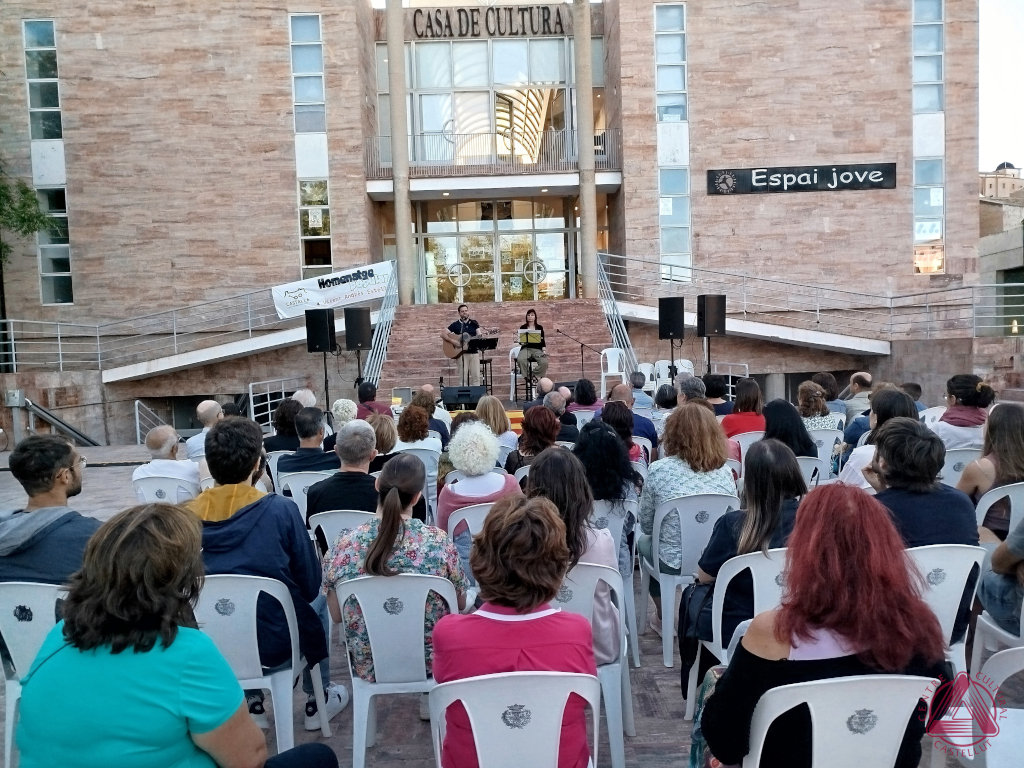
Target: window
[41, 74]
[308, 75]
[670, 62]
[928, 46]
[674, 218]
[55, 249]
[315, 227]
[928, 69]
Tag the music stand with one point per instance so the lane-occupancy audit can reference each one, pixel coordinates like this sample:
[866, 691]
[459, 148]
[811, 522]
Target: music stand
[481, 346]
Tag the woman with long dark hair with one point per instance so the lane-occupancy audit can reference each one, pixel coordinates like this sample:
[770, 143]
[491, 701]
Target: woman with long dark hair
[885, 404]
[540, 430]
[160, 693]
[747, 410]
[782, 422]
[617, 415]
[852, 606]
[1001, 463]
[584, 397]
[532, 351]
[392, 543]
[967, 400]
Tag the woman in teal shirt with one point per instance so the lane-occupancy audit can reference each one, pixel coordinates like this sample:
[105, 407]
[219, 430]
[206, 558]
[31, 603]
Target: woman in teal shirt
[158, 692]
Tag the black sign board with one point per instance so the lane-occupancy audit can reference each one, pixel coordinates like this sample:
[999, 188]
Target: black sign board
[802, 178]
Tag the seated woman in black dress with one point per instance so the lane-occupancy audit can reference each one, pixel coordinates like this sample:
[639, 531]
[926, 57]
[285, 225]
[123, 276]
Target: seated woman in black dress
[782, 422]
[851, 608]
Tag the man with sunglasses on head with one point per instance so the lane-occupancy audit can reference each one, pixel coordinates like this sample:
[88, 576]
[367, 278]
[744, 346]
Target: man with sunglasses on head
[44, 542]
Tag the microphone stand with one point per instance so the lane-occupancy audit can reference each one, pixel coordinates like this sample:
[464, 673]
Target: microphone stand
[582, 347]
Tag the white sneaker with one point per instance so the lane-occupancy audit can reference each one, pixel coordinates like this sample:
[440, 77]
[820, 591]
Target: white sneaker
[337, 699]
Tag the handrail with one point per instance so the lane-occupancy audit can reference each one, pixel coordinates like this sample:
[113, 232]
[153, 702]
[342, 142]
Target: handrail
[57, 423]
[145, 420]
[265, 396]
[620, 337]
[382, 332]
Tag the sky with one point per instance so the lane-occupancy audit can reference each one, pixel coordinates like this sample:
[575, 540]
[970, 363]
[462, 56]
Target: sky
[1001, 90]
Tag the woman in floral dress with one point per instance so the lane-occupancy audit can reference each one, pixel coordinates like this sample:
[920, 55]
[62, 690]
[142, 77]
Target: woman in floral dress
[391, 544]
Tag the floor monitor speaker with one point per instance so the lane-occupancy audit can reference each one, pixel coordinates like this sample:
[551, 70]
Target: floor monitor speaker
[670, 317]
[358, 334]
[711, 315]
[467, 397]
[320, 331]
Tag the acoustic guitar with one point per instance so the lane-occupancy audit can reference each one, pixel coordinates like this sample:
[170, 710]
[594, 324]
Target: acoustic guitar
[454, 346]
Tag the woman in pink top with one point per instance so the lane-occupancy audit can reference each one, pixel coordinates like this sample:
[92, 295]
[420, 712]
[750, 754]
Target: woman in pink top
[520, 559]
[747, 413]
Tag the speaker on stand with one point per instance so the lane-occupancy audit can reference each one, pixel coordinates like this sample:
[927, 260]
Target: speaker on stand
[358, 336]
[710, 320]
[671, 326]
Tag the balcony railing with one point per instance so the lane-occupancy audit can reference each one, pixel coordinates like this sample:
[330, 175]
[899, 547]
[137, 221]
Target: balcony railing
[491, 154]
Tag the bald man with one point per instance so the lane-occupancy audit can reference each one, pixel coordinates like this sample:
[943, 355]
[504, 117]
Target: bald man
[162, 444]
[209, 413]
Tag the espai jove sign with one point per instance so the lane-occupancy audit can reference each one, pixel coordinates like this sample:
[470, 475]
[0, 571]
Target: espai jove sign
[802, 178]
[491, 21]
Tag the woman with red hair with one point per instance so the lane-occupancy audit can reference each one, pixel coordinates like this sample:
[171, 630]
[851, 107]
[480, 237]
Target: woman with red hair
[851, 607]
[540, 430]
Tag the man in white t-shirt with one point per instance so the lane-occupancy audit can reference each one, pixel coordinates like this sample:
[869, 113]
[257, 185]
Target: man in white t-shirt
[209, 412]
[162, 444]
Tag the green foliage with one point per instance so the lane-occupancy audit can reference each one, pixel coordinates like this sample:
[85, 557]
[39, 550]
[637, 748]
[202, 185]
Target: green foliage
[19, 211]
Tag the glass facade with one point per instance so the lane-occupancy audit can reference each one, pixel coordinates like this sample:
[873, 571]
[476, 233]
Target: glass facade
[928, 97]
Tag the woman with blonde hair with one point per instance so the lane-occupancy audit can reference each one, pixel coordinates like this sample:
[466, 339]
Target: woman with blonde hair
[387, 435]
[694, 451]
[491, 412]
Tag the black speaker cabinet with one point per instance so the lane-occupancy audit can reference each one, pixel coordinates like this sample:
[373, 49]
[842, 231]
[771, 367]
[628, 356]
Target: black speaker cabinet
[358, 334]
[320, 331]
[464, 396]
[711, 315]
[670, 317]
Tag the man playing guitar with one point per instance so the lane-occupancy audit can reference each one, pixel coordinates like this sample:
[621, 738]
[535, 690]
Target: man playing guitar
[457, 336]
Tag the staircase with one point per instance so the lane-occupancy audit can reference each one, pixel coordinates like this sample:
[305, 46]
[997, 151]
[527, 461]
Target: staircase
[414, 355]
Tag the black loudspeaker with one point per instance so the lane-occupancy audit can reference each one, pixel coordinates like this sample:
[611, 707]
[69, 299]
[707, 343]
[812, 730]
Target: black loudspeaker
[670, 317]
[711, 315]
[465, 396]
[320, 331]
[358, 334]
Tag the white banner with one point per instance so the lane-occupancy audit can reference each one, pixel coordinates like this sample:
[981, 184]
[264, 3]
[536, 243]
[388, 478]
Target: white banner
[338, 289]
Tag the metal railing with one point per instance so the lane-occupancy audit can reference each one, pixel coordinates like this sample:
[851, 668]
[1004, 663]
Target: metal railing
[265, 396]
[145, 419]
[56, 422]
[30, 345]
[620, 337]
[382, 332]
[491, 154]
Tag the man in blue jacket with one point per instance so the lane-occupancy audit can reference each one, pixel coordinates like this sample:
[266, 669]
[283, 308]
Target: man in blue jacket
[246, 531]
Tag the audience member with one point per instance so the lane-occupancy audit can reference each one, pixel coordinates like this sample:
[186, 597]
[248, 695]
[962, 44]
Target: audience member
[44, 541]
[747, 410]
[885, 404]
[618, 416]
[782, 422]
[1001, 463]
[387, 435]
[568, 432]
[828, 382]
[851, 607]
[425, 399]
[248, 532]
[285, 438]
[438, 411]
[642, 426]
[351, 487]
[414, 430]
[309, 456]
[665, 401]
[208, 412]
[913, 389]
[690, 388]
[367, 394]
[694, 462]
[610, 477]
[162, 444]
[732, 447]
[304, 397]
[491, 412]
[857, 403]
[1001, 589]
[716, 388]
[231, 409]
[905, 476]
[585, 397]
[962, 424]
[638, 380]
[855, 432]
[444, 464]
[544, 386]
[520, 560]
[559, 476]
[160, 691]
[540, 428]
[814, 410]
[343, 411]
[394, 542]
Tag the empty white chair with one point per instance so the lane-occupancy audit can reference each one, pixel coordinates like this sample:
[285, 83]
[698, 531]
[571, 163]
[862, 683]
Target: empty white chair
[166, 490]
[297, 484]
[662, 373]
[393, 609]
[612, 516]
[28, 615]
[946, 569]
[647, 369]
[226, 611]
[766, 575]
[1014, 492]
[612, 367]
[957, 460]
[336, 521]
[577, 595]
[513, 355]
[813, 469]
[684, 366]
[695, 516]
[826, 440]
[834, 703]
[516, 716]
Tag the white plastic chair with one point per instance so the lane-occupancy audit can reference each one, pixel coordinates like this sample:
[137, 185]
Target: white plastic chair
[577, 595]
[430, 460]
[393, 609]
[989, 636]
[813, 469]
[856, 722]
[473, 516]
[684, 366]
[696, 516]
[226, 611]
[522, 472]
[826, 440]
[736, 467]
[516, 716]
[272, 459]
[1014, 492]
[957, 460]
[612, 360]
[503, 452]
[662, 373]
[931, 415]
[297, 483]
[335, 521]
[646, 444]
[513, 355]
[456, 475]
[28, 615]
[747, 439]
[611, 514]
[166, 490]
[641, 467]
[647, 369]
[583, 417]
[946, 569]
[766, 575]
[206, 484]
